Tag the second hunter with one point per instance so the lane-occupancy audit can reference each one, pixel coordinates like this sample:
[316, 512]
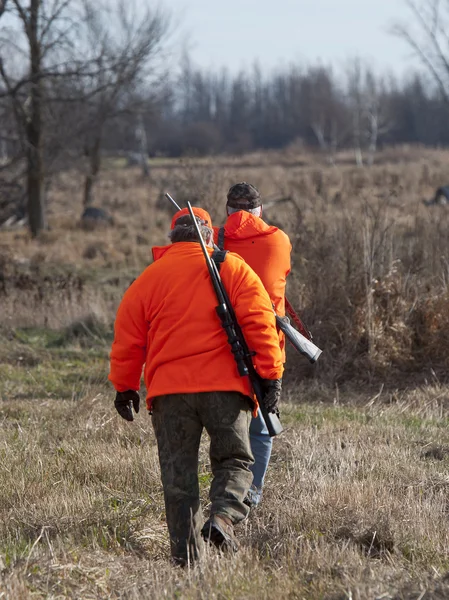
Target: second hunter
[266, 250]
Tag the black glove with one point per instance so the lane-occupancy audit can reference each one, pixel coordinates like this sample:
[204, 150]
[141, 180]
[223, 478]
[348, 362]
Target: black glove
[272, 394]
[125, 401]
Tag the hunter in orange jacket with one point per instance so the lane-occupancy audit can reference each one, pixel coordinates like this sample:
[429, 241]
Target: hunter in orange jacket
[266, 249]
[167, 321]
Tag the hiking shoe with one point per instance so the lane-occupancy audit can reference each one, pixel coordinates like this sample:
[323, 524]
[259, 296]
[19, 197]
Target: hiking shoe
[219, 531]
[253, 498]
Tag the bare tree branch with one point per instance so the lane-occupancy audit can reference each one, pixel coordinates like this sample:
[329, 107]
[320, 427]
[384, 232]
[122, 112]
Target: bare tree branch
[431, 34]
[426, 43]
[435, 18]
[56, 13]
[3, 6]
[426, 61]
[17, 105]
[22, 14]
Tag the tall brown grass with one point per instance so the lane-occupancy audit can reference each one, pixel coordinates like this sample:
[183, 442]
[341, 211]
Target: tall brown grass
[355, 503]
[370, 261]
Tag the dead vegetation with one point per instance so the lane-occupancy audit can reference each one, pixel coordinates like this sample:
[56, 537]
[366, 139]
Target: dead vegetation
[370, 261]
[356, 499]
[352, 507]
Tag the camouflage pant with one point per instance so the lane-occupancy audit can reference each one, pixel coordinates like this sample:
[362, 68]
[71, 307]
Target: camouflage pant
[178, 421]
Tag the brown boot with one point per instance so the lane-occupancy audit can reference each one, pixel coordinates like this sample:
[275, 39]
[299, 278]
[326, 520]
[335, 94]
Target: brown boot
[219, 531]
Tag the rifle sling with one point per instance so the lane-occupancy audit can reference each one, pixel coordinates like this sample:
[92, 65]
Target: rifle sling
[219, 256]
[221, 238]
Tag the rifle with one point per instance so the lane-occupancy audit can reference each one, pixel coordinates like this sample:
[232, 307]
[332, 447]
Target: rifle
[298, 340]
[236, 339]
[301, 340]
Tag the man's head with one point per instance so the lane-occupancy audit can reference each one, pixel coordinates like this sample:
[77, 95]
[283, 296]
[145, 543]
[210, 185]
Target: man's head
[198, 212]
[183, 229]
[244, 196]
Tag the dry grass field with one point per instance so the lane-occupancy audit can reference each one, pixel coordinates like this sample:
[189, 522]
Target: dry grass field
[357, 498]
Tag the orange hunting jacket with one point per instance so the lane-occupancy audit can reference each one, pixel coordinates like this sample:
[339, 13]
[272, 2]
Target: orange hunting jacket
[167, 320]
[265, 249]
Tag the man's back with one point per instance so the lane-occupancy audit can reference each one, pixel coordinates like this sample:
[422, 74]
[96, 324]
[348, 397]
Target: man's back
[175, 302]
[264, 248]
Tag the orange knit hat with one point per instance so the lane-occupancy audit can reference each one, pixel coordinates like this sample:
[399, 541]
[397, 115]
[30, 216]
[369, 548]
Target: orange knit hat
[198, 212]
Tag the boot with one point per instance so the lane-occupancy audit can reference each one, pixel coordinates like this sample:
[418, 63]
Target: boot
[219, 531]
[254, 497]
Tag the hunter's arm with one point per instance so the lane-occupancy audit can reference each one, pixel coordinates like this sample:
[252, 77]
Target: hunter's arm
[130, 337]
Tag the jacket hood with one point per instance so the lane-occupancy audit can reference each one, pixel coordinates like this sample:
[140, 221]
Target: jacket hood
[242, 225]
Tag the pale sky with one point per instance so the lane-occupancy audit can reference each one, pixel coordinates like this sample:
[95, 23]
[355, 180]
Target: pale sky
[234, 33]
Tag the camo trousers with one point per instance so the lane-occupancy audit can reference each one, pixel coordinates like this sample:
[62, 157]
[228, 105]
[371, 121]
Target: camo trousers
[178, 421]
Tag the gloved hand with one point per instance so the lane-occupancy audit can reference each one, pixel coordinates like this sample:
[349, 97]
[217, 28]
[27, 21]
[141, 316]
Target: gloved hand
[124, 401]
[272, 390]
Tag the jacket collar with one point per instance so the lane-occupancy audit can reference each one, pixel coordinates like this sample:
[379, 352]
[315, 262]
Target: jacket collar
[243, 224]
[177, 249]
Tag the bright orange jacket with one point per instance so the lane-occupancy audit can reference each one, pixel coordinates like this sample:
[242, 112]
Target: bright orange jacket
[167, 320]
[266, 249]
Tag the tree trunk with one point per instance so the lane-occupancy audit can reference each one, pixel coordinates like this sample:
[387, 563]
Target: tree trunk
[141, 136]
[94, 168]
[2, 6]
[374, 122]
[357, 137]
[333, 146]
[3, 152]
[319, 133]
[35, 164]
[318, 130]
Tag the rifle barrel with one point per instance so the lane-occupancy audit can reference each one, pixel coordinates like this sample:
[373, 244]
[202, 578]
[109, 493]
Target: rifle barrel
[173, 201]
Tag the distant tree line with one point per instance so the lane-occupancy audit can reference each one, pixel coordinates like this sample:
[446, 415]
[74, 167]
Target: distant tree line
[79, 79]
[206, 112]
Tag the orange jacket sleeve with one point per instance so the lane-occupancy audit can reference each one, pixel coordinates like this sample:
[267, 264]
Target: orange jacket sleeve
[254, 313]
[130, 337]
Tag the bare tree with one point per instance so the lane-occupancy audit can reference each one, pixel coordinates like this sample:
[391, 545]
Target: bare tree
[379, 120]
[356, 104]
[368, 105]
[29, 113]
[35, 174]
[125, 44]
[328, 118]
[428, 38]
[141, 139]
[81, 64]
[43, 27]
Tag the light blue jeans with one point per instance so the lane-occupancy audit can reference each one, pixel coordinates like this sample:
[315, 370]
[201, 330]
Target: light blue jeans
[261, 445]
